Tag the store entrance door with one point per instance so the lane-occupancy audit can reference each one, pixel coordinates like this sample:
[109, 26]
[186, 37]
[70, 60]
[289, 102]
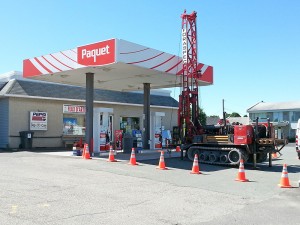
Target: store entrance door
[103, 133]
[156, 130]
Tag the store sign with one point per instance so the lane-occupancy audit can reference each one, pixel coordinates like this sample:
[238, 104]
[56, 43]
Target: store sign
[81, 109]
[100, 53]
[38, 121]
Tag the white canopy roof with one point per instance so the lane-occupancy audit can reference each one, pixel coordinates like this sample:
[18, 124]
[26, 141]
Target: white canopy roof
[117, 64]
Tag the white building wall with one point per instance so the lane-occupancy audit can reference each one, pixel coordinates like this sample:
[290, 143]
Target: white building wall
[19, 121]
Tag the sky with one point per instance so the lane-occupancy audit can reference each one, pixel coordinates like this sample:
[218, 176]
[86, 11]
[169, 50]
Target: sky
[253, 45]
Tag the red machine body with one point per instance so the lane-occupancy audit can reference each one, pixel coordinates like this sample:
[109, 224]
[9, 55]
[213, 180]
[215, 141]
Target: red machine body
[243, 134]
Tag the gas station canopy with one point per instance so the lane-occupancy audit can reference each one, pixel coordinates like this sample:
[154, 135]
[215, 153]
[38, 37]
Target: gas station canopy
[117, 65]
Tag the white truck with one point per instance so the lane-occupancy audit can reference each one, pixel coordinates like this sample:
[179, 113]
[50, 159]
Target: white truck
[297, 138]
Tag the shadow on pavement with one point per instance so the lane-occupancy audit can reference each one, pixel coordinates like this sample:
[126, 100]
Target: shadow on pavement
[185, 164]
[275, 168]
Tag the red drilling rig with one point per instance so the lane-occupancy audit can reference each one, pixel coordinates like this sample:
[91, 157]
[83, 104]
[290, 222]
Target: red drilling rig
[188, 113]
[216, 144]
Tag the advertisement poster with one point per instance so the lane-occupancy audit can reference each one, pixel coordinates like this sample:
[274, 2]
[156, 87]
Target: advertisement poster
[38, 121]
[118, 139]
[70, 125]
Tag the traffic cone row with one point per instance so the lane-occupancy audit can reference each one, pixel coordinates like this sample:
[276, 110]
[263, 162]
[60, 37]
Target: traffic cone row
[284, 181]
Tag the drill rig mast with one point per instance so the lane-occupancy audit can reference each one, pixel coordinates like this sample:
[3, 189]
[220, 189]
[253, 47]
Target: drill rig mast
[188, 115]
[210, 143]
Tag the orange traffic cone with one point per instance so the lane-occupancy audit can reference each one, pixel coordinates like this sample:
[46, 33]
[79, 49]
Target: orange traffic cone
[177, 148]
[111, 156]
[195, 169]
[274, 155]
[86, 151]
[284, 181]
[132, 158]
[162, 165]
[241, 174]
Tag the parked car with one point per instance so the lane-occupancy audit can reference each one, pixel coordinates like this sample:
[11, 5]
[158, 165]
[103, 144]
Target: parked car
[297, 139]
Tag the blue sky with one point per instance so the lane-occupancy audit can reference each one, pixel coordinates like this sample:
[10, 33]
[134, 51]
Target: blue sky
[253, 45]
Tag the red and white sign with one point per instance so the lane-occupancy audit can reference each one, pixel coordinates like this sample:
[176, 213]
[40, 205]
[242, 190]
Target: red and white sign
[74, 109]
[102, 136]
[100, 53]
[38, 120]
[118, 139]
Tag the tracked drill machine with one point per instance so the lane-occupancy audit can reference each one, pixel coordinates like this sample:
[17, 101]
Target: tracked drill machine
[216, 144]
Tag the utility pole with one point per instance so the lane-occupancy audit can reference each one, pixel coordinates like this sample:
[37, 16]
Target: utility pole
[224, 113]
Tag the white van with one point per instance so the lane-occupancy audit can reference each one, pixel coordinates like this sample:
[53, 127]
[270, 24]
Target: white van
[297, 138]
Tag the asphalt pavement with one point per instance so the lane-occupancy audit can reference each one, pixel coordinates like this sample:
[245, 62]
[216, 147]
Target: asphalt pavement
[57, 188]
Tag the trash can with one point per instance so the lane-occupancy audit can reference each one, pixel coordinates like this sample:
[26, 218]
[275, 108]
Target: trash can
[127, 143]
[26, 139]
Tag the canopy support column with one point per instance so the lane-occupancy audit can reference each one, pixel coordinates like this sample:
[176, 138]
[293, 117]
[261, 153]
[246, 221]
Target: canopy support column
[89, 103]
[146, 136]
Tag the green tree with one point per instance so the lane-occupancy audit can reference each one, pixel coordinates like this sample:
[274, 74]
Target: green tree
[234, 114]
[202, 116]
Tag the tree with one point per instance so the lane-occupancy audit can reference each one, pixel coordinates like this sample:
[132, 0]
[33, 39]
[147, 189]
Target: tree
[245, 116]
[234, 114]
[202, 116]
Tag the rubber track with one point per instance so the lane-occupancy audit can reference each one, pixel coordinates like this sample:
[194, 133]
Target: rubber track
[217, 163]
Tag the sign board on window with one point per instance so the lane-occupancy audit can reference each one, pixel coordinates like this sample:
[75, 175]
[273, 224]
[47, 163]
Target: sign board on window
[38, 121]
[80, 109]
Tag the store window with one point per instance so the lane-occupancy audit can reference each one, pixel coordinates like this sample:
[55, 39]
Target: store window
[295, 116]
[286, 116]
[127, 124]
[261, 116]
[73, 120]
[270, 116]
[277, 116]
